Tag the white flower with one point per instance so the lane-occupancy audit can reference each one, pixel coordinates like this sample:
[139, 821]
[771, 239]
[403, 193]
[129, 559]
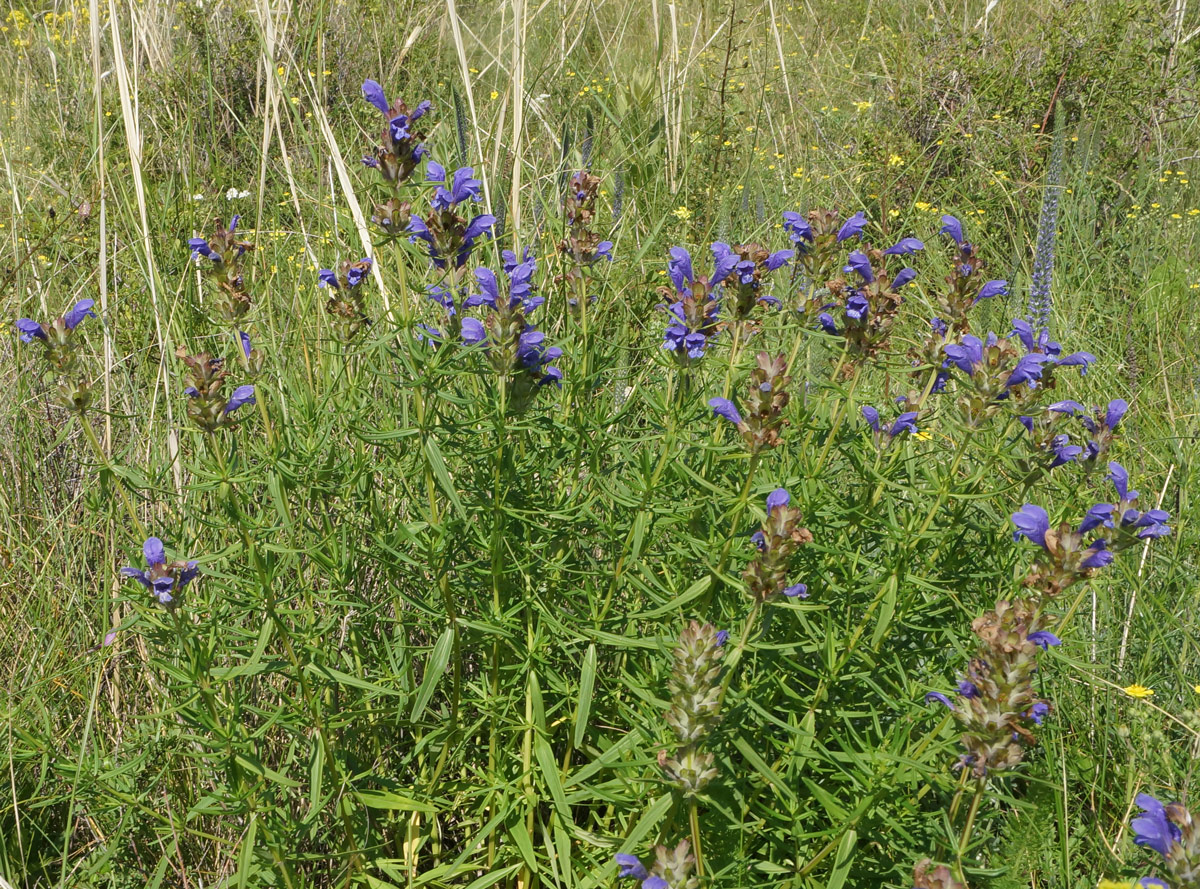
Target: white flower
[233, 194]
[197, 197]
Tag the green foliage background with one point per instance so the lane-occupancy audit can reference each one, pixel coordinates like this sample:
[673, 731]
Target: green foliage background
[430, 642]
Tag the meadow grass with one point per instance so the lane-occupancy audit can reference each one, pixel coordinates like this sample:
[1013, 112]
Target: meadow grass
[431, 639]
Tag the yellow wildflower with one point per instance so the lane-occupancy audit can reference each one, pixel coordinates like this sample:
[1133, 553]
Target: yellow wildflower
[1138, 691]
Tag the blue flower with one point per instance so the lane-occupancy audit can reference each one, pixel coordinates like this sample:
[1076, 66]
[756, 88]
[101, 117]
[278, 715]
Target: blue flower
[1100, 515]
[952, 227]
[852, 227]
[939, 697]
[460, 187]
[328, 278]
[1027, 370]
[246, 346]
[1116, 410]
[358, 271]
[859, 262]
[1098, 555]
[1118, 475]
[1066, 407]
[967, 688]
[373, 93]
[1032, 522]
[798, 230]
[777, 499]
[1152, 883]
[30, 329]
[630, 866]
[938, 326]
[1064, 452]
[472, 332]
[1152, 828]
[1043, 639]
[796, 590]
[827, 323]
[201, 247]
[904, 247]
[79, 311]
[993, 288]
[679, 269]
[906, 422]
[857, 307]
[966, 356]
[871, 416]
[241, 395]
[1038, 712]
[723, 407]
[904, 276]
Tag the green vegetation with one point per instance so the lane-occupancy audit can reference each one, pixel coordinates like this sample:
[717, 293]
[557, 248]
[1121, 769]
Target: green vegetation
[431, 639]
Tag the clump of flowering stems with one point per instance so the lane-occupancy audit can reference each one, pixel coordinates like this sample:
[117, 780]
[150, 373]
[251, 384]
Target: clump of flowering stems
[208, 407]
[765, 400]
[693, 713]
[995, 702]
[1172, 831]
[60, 352]
[220, 258]
[346, 304]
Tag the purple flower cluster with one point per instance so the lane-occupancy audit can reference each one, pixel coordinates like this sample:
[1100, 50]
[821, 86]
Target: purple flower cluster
[402, 145]
[693, 323]
[164, 580]
[514, 347]
[447, 234]
[1117, 526]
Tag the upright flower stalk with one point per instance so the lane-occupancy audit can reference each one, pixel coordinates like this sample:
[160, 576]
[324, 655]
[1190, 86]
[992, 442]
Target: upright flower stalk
[447, 235]
[347, 303]
[765, 401]
[208, 406]
[220, 259]
[1040, 298]
[868, 296]
[694, 315]
[60, 352]
[777, 540]
[516, 350]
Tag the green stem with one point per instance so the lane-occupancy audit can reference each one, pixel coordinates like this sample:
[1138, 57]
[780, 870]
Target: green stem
[118, 483]
[694, 821]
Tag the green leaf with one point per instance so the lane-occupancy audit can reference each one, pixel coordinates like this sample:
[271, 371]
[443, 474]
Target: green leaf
[384, 799]
[583, 707]
[435, 667]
